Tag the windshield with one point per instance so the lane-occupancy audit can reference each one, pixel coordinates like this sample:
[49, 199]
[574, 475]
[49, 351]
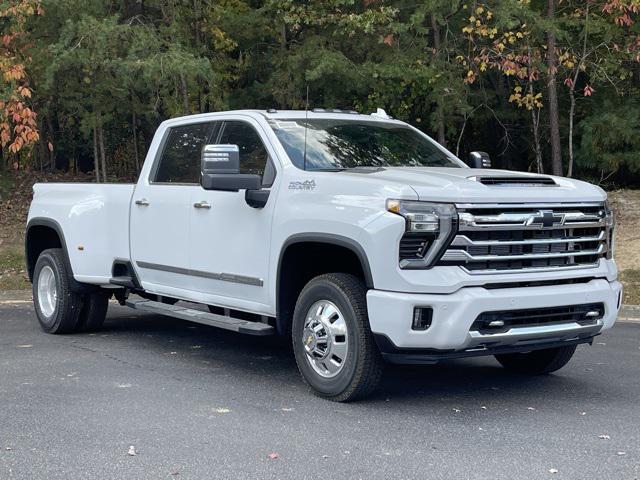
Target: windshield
[339, 144]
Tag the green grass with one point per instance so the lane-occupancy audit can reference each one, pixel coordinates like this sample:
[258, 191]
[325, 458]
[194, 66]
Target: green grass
[12, 270]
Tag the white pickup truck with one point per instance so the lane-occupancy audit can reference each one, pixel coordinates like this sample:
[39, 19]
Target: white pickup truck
[357, 236]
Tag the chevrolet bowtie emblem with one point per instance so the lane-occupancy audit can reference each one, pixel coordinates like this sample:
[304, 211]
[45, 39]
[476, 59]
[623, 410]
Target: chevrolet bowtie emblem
[546, 218]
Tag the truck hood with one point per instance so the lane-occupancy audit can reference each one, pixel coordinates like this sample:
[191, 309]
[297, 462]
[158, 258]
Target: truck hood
[458, 185]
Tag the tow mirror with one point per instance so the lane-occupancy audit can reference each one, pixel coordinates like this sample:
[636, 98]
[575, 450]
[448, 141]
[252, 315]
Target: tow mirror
[479, 160]
[220, 170]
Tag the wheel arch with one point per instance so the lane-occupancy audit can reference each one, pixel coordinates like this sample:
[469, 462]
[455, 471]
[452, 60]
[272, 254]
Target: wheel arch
[307, 247]
[42, 234]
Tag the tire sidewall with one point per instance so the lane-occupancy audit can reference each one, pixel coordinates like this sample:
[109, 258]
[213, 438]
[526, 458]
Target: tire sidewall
[51, 323]
[324, 290]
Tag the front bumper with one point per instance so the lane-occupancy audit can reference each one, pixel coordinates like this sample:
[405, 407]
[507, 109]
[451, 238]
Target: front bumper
[450, 335]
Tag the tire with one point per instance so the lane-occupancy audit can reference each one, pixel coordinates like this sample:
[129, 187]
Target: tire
[57, 307]
[359, 372]
[93, 312]
[537, 362]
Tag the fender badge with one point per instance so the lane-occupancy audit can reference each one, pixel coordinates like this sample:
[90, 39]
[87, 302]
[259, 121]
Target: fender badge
[306, 185]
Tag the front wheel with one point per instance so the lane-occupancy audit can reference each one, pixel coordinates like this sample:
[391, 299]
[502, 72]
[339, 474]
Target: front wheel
[539, 361]
[332, 342]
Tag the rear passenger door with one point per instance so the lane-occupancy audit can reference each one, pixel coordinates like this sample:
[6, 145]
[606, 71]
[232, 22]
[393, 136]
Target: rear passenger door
[230, 240]
[161, 208]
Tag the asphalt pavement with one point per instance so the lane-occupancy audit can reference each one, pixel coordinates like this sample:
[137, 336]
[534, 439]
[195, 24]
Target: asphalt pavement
[200, 403]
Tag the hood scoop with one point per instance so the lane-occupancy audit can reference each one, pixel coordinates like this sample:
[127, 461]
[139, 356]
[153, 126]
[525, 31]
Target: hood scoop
[515, 181]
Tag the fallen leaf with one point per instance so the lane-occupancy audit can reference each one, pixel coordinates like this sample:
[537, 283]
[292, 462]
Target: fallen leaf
[8, 449]
[553, 470]
[530, 408]
[325, 456]
[195, 347]
[174, 473]
[583, 413]
[132, 451]
[273, 456]
[621, 453]
[24, 346]
[221, 410]
[287, 409]
[483, 408]
[604, 436]
[457, 410]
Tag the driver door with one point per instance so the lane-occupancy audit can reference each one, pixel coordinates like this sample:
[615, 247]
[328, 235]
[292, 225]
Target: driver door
[230, 241]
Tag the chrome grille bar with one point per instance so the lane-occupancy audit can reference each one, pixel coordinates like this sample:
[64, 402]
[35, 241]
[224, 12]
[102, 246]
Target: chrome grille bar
[463, 240]
[511, 221]
[462, 255]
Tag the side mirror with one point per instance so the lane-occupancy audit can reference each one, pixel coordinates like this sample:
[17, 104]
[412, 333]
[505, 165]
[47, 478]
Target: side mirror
[479, 160]
[220, 170]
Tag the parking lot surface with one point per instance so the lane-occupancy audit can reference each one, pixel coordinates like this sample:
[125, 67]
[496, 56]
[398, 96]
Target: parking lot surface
[201, 403]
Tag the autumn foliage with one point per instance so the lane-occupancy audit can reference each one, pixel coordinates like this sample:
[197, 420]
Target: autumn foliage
[18, 125]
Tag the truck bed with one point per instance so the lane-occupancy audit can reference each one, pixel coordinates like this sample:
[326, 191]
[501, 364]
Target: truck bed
[94, 219]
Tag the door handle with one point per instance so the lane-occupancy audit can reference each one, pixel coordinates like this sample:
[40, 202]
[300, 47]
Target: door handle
[143, 202]
[202, 204]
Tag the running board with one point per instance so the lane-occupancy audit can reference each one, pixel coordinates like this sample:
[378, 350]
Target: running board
[123, 282]
[206, 318]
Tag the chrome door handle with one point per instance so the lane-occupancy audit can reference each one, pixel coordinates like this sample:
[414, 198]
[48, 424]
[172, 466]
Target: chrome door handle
[143, 202]
[202, 204]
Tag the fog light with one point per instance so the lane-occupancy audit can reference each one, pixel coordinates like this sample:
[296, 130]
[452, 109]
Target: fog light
[421, 318]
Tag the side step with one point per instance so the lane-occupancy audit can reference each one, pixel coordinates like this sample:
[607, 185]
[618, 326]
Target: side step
[123, 282]
[206, 318]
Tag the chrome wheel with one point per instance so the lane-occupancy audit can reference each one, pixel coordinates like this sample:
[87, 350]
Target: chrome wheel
[325, 339]
[47, 291]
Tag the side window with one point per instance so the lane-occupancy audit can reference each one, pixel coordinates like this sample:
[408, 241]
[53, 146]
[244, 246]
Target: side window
[180, 160]
[253, 154]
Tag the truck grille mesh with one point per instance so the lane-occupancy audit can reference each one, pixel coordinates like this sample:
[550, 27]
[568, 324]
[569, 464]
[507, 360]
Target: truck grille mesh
[518, 238]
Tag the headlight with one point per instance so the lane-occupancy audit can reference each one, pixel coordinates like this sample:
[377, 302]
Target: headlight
[610, 224]
[429, 228]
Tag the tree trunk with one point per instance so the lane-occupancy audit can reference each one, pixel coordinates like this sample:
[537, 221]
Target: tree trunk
[185, 93]
[554, 124]
[572, 109]
[102, 151]
[134, 127]
[572, 90]
[96, 159]
[535, 120]
[439, 113]
[52, 156]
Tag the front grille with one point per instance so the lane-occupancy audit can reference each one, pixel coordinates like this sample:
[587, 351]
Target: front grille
[499, 238]
[504, 320]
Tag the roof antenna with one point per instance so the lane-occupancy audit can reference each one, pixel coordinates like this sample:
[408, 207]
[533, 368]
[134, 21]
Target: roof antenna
[306, 121]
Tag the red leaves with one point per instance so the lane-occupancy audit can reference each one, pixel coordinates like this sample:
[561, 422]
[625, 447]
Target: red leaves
[568, 82]
[18, 127]
[588, 91]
